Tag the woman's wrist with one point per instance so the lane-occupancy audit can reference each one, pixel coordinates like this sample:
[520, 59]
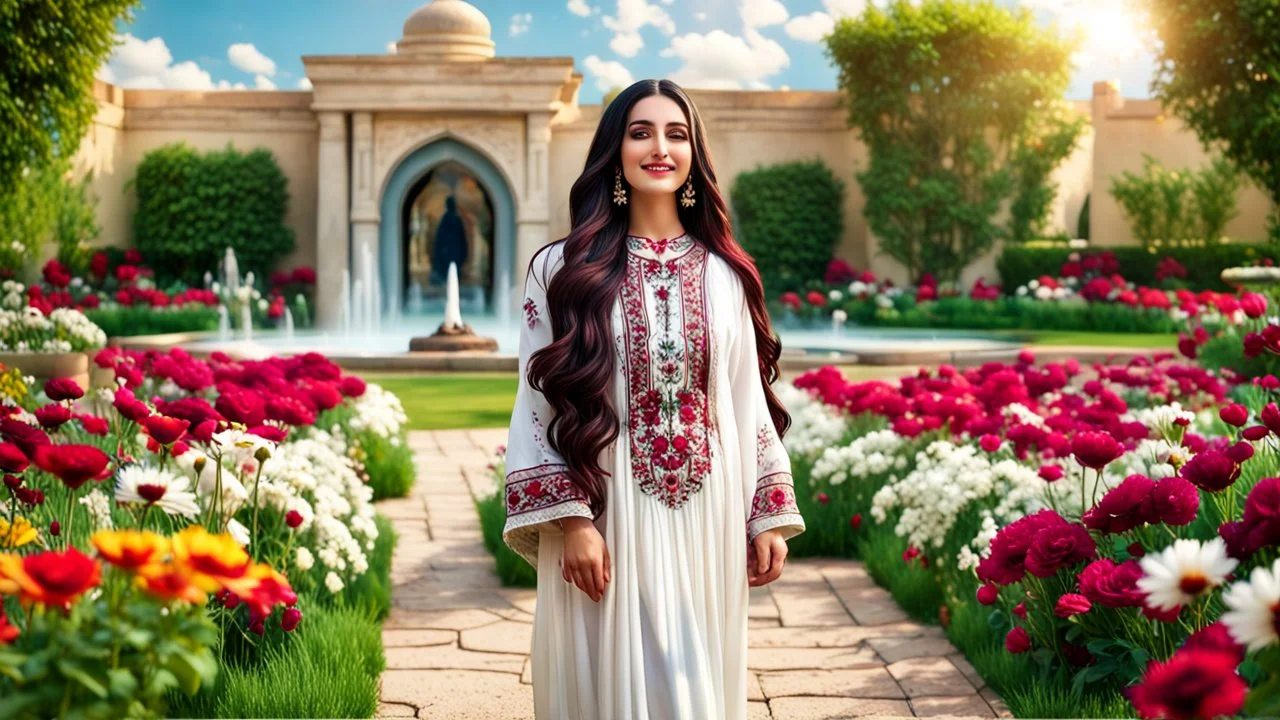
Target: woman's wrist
[569, 524]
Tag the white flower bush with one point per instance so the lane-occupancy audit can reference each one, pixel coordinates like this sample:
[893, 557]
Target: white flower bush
[29, 330]
[814, 424]
[380, 412]
[873, 454]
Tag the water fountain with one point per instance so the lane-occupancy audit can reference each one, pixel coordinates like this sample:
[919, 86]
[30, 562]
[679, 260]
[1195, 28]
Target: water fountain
[224, 324]
[288, 324]
[230, 271]
[453, 334]
[246, 322]
[344, 305]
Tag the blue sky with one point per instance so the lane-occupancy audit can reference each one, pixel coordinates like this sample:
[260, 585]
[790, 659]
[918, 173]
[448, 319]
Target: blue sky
[750, 44]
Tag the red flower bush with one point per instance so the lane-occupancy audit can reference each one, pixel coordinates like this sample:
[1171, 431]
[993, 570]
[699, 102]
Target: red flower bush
[1194, 683]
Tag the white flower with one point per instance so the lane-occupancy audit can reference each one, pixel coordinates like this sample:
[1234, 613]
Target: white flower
[304, 559]
[1184, 571]
[1022, 291]
[238, 531]
[1253, 616]
[242, 446]
[153, 486]
[836, 295]
[839, 315]
[333, 582]
[99, 507]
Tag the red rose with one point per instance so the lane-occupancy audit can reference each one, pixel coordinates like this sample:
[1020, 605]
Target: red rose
[241, 406]
[98, 265]
[1211, 471]
[1186, 346]
[74, 465]
[989, 443]
[290, 618]
[855, 522]
[26, 437]
[126, 273]
[1058, 547]
[59, 389]
[1255, 432]
[1240, 452]
[166, 430]
[1270, 417]
[1194, 683]
[270, 432]
[1215, 637]
[1095, 449]
[132, 256]
[293, 518]
[1234, 414]
[1020, 610]
[1122, 508]
[304, 275]
[325, 395]
[1017, 641]
[1253, 304]
[1072, 604]
[1050, 473]
[131, 407]
[94, 425]
[290, 411]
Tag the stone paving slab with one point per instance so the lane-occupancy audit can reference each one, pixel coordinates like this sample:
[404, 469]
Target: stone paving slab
[824, 640]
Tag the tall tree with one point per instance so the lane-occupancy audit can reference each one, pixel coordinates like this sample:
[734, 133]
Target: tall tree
[946, 94]
[49, 52]
[1218, 69]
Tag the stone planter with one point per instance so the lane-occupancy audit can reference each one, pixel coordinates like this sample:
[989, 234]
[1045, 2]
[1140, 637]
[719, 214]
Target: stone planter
[46, 366]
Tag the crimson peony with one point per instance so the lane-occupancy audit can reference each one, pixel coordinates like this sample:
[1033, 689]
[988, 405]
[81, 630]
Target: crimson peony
[1059, 547]
[1172, 501]
[52, 416]
[1072, 604]
[1215, 637]
[1122, 508]
[1007, 562]
[59, 389]
[1017, 641]
[12, 459]
[1095, 449]
[1194, 683]
[1111, 585]
[988, 593]
[1234, 414]
[1211, 471]
[166, 430]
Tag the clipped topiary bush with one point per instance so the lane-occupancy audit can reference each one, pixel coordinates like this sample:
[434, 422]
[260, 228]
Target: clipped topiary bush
[789, 217]
[1204, 264]
[192, 206]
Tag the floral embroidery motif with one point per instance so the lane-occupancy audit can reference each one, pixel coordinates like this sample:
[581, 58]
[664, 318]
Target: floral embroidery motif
[660, 247]
[530, 312]
[667, 373]
[775, 495]
[540, 487]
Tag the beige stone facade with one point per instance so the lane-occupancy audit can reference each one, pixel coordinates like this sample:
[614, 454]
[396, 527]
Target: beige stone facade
[353, 145]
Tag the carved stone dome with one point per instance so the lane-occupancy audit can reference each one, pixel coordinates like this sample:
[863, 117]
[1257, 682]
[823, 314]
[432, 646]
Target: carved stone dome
[447, 30]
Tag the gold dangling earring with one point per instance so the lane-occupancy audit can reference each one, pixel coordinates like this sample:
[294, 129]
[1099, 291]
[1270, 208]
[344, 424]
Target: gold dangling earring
[619, 194]
[686, 198]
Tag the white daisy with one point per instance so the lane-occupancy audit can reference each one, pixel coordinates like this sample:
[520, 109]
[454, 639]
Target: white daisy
[1254, 608]
[238, 531]
[1182, 572]
[153, 486]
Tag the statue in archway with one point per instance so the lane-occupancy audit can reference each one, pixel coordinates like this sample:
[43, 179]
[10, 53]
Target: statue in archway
[450, 242]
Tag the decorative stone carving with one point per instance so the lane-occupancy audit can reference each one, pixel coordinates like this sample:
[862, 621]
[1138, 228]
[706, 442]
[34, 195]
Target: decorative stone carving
[501, 139]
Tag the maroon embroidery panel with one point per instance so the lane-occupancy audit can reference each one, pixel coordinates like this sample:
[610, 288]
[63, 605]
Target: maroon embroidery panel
[540, 487]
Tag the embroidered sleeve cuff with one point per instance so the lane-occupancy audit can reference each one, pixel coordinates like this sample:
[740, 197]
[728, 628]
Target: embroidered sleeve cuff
[774, 506]
[536, 497]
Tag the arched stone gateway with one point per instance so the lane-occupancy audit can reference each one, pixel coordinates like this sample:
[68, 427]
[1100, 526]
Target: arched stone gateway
[412, 228]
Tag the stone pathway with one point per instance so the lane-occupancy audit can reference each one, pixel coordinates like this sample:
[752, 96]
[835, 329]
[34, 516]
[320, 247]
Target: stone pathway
[825, 641]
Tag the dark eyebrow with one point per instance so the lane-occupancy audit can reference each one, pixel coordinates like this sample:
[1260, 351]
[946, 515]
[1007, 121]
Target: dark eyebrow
[650, 124]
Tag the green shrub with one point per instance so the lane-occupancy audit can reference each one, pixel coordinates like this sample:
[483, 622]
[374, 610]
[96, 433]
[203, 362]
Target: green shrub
[512, 569]
[389, 465]
[1082, 222]
[1177, 207]
[192, 206]
[789, 217]
[127, 321]
[1204, 264]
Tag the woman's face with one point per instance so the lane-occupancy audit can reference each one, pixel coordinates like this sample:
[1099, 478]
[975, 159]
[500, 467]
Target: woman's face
[657, 152]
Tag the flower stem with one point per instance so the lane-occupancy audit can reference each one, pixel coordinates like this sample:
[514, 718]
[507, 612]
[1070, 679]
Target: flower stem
[257, 481]
[71, 513]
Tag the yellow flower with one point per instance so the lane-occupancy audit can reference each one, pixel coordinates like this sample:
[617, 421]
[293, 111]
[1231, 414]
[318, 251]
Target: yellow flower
[18, 534]
[129, 549]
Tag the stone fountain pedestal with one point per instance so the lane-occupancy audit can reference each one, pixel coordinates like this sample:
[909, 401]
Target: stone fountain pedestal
[453, 335]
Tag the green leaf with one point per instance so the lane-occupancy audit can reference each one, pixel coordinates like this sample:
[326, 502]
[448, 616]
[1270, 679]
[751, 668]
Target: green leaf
[122, 682]
[74, 672]
[192, 668]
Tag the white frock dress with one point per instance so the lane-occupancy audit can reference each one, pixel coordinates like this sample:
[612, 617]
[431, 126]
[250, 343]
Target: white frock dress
[696, 472]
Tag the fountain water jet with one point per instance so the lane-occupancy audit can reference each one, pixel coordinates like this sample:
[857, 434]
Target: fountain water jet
[453, 334]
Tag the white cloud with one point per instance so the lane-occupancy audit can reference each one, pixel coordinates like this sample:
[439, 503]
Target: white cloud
[608, 73]
[581, 8]
[148, 65]
[245, 57]
[106, 74]
[844, 8]
[762, 13]
[304, 83]
[262, 82]
[391, 47]
[631, 16]
[720, 60]
[520, 23]
[699, 16]
[227, 85]
[810, 28]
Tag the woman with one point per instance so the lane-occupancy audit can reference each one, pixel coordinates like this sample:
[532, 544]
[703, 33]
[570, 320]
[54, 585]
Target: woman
[646, 479]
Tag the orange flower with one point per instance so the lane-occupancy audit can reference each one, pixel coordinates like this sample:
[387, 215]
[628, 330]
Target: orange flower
[129, 549]
[212, 561]
[50, 578]
[171, 583]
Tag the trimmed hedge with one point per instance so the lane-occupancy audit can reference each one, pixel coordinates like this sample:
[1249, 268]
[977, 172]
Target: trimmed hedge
[1020, 264]
[192, 206]
[127, 321]
[789, 218]
[1023, 314]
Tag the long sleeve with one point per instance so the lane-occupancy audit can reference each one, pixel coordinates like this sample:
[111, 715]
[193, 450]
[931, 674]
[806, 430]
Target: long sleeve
[773, 498]
[538, 489]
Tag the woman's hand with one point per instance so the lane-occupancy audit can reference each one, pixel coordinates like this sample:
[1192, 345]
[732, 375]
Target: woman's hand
[586, 558]
[766, 555]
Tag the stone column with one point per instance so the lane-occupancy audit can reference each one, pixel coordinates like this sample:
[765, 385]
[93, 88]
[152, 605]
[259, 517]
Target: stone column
[333, 229]
[364, 216]
[533, 220]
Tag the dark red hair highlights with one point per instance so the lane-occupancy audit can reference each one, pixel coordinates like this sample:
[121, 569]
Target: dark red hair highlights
[575, 370]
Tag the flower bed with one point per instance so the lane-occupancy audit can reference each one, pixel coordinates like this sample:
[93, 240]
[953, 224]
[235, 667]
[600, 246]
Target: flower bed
[240, 499]
[1092, 539]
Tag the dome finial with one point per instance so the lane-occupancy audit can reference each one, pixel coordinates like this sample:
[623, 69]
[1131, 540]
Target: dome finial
[450, 30]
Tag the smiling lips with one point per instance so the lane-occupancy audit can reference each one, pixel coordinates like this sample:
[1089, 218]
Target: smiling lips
[658, 169]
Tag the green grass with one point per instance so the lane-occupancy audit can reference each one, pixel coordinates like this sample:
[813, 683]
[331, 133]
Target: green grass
[513, 571]
[1042, 338]
[448, 401]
